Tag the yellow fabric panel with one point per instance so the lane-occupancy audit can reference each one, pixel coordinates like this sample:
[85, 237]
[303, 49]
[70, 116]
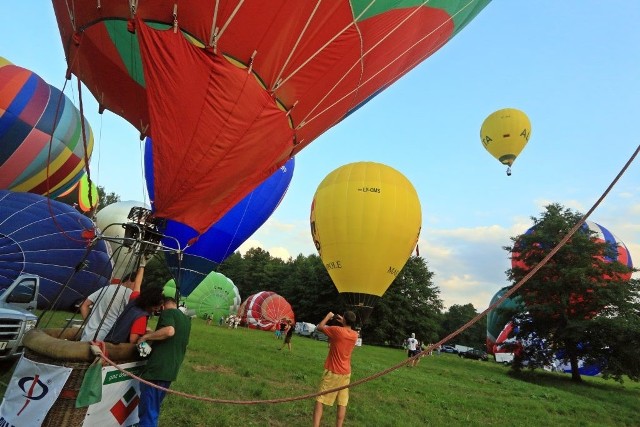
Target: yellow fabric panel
[365, 221]
[504, 134]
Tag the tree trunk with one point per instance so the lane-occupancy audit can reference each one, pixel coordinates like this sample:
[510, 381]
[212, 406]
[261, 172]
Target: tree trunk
[575, 373]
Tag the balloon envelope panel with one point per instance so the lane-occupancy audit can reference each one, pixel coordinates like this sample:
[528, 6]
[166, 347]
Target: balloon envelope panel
[44, 237]
[42, 149]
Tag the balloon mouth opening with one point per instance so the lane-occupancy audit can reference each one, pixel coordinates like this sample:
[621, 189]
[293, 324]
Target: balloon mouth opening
[507, 159]
[360, 304]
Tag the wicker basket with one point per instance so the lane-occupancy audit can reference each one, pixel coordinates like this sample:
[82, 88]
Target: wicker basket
[56, 347]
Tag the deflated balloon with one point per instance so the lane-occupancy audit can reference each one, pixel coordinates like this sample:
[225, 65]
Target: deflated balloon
[42, 148]
[504, 134]
[51, 239]
[365, 222]
[238, 88]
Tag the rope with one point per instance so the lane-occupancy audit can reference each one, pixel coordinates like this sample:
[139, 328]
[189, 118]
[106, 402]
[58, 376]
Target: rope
[423, 352]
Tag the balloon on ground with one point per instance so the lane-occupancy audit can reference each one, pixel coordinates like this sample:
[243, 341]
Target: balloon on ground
[42, 149]
[250, 86]
[365, 223]
[52, 240]
[216, 296]
[264, 310]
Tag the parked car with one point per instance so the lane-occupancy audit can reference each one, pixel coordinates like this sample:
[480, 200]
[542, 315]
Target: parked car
[474, 354]
[448, 349]
[320, 336]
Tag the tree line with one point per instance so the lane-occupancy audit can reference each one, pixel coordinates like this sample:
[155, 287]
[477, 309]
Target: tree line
[411, 304]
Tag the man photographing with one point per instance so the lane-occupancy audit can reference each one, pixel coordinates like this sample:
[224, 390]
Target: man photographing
[337, 366]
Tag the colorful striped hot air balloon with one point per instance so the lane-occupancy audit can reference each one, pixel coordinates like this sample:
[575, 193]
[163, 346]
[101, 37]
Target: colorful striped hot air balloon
[42, 149]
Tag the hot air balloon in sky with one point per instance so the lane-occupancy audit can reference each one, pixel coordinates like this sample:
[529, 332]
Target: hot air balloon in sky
[202, 256]
[252, 83]
[504, 134]
[42, 148]
[45, 237]
[265, 310]
[365, 222]
[109, 220]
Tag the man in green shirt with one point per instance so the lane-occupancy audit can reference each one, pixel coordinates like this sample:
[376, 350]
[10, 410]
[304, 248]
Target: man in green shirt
[169, 345]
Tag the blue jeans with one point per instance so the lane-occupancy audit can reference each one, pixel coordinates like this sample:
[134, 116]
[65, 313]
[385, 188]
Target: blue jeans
[150, 401]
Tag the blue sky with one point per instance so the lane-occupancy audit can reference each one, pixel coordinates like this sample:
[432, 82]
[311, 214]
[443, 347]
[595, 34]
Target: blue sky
[571, 65]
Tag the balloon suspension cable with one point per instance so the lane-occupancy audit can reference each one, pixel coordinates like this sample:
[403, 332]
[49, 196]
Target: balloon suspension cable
[85, 148]
[425, 351]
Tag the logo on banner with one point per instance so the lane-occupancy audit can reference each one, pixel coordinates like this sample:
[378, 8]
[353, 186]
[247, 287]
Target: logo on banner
[126, 405]
[36, 390]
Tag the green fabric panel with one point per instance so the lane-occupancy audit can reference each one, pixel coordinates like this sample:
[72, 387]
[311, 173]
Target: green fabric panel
[450, 6]
[127, 46]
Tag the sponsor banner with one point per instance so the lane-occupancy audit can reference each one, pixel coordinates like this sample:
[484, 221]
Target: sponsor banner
[32, 391]
[120, 398]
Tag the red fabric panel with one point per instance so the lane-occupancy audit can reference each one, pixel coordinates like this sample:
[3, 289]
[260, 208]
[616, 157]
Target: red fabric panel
[217, 134]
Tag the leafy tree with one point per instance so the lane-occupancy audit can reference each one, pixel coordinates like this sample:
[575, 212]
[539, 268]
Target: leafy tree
[105, 199]
[458, 315]
[578, 302]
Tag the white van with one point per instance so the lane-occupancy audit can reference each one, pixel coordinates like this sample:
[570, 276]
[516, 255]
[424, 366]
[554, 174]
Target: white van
[305, 329]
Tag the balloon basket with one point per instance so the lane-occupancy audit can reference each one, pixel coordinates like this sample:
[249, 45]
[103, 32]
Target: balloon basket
[58, 347]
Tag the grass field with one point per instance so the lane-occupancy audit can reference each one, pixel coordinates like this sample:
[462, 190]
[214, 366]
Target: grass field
[444, 390]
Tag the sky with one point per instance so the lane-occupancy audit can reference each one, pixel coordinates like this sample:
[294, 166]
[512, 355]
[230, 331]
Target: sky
[571, 65]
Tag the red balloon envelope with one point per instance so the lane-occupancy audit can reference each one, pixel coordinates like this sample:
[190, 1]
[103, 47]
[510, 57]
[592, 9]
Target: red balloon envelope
[265, 310]
[240, 87]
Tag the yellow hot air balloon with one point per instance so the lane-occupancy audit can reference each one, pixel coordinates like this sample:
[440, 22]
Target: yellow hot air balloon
[365, 222]
[504, 134]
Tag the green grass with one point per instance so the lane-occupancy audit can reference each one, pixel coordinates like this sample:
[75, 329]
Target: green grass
[246, 365]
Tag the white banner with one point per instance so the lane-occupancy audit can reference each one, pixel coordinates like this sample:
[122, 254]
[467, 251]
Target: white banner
[33, 389]
[120, 398]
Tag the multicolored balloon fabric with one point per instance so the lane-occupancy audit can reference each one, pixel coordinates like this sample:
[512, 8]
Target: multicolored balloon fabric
[252, 83]
[42, 147]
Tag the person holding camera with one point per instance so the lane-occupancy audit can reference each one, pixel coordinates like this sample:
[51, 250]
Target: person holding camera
[337, 366]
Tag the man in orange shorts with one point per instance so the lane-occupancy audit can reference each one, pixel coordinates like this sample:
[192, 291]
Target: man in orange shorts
[337, 366]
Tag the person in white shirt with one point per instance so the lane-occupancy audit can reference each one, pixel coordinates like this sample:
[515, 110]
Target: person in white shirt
[412, 349]
[101, 309]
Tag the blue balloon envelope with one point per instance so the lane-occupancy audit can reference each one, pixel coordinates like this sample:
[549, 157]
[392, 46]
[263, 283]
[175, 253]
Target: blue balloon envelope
[205, 252]
[51, 239]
